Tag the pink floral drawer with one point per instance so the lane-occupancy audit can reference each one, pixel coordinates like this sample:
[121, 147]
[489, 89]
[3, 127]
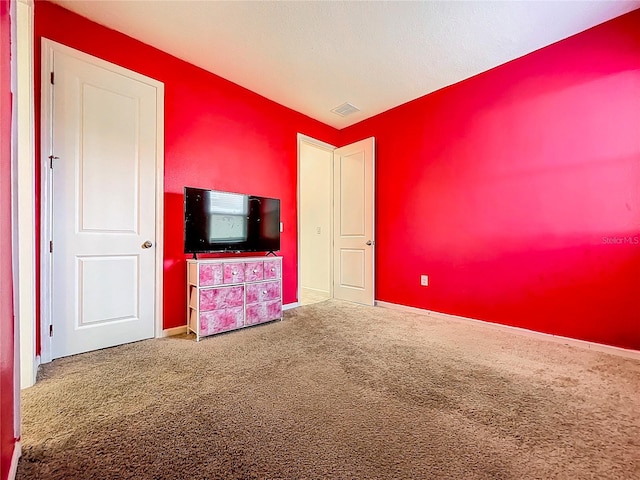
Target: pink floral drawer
[253, 271]
[272, 269]
[260, 292]
[221, 297]
[233, 273]
[221, 320]
[210, 274]
[263, 312]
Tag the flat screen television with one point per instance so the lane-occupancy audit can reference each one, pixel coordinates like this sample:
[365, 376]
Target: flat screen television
[216, 221]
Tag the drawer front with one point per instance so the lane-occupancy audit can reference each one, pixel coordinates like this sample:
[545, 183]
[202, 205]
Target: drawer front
[210, 274]
[263, 312]
[221, 320]
[221, 297]
[253, 271]
[272, 269]
[233, 273]
[260, 292]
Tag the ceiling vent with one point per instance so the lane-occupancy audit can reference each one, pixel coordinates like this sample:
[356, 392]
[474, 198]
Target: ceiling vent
[345, 109]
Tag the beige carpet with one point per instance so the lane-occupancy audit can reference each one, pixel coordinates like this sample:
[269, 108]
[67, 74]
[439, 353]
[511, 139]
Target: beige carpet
[336, 391]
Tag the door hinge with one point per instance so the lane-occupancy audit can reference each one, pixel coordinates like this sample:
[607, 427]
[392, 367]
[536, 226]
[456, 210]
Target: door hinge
[52, 78]
[51, 330]
[50, 246]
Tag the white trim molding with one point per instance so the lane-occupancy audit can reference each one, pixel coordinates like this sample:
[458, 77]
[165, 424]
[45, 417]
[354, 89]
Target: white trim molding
[45, 232]
[289, 306]
[316, 290]
[171, 332]
[585, 344]
[17, 452]
[25, 194]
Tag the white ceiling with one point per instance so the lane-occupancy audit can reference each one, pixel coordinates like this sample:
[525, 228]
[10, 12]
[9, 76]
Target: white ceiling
[313, 56]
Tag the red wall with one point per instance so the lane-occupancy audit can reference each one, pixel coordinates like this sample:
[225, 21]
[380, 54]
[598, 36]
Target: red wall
[518, 191]
[217, 135]
[7, 442]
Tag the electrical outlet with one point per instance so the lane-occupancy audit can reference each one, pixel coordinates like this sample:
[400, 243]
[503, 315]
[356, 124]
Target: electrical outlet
[424, 280]
[318, 230]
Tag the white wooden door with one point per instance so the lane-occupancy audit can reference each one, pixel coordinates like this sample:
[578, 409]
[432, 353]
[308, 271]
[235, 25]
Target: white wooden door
[353, 253]
[103, 194]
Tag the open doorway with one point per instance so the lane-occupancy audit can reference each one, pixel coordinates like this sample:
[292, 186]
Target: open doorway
[336, 221]
[315, 220]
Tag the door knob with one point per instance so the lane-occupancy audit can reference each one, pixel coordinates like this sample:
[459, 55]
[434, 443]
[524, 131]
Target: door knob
[369, 242]
[147, 244]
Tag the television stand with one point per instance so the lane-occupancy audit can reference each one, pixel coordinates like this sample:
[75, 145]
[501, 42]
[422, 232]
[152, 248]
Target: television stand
[271, 252]
[229, 293]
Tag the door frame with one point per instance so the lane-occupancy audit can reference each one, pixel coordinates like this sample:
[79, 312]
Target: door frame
[46, 204]
[24, 195]
[326, 146]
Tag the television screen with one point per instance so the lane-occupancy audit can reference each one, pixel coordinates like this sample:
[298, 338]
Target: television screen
[217, 221]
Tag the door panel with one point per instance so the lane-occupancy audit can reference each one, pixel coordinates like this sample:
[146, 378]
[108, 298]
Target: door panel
[96, 305]
[352, 194]
[354, 243]
[106, 168]
[352, 273]
[103, 183]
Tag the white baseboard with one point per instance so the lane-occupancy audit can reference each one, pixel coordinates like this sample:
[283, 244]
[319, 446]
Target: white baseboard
[289, 306]
[31, 380]
[315, 290]
[13, 469]
[36, 366]
[597, 347]
[170, 332]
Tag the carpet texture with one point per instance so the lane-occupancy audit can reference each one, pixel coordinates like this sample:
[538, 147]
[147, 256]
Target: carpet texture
[340, 391]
